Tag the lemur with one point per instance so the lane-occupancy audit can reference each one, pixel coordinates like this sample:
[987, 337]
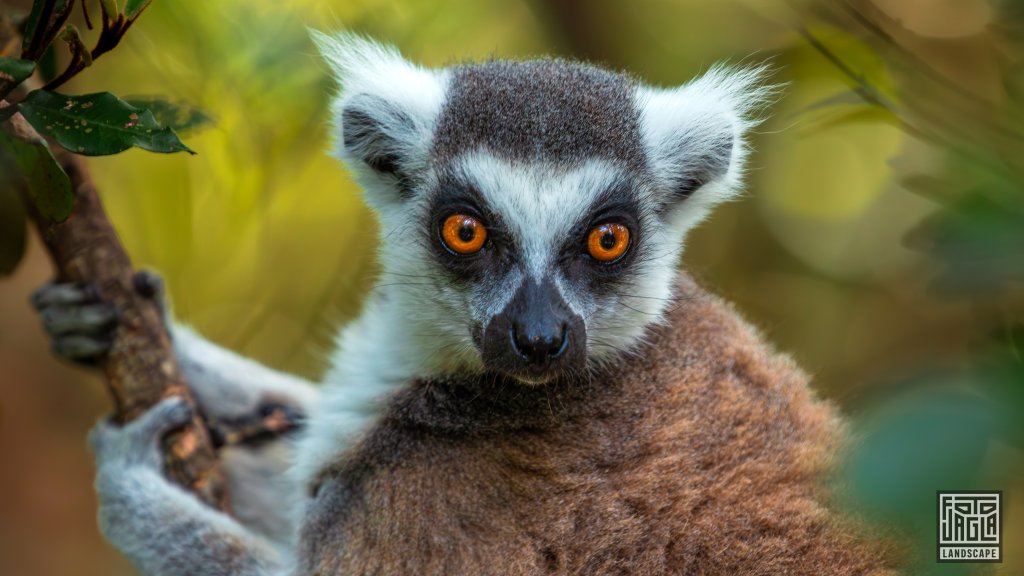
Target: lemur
[533, 388]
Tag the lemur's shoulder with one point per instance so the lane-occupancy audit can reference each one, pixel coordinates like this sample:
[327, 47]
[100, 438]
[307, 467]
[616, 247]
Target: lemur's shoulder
[747, 448]
[712, 375]
[703, 452]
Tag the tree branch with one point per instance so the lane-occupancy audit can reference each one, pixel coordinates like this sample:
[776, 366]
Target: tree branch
[141, 368]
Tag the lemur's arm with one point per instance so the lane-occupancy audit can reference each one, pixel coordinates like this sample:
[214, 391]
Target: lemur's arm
[227, 387]
[230, 388]
[163, 529]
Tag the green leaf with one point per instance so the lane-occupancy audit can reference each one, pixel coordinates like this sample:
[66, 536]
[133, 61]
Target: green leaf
[97, 124]
[12, 223]
[48, 64]
[177, 116]
[15, 71]
[109, 8]
[977, 240]
[935, 437]
[936, 189]
[33, 167]
[844, 98]
[1001, 370]
[132, 8]
[854, 115]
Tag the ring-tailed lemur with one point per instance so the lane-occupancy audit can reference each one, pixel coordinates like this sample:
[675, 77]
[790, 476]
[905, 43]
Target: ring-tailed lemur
[532, 388]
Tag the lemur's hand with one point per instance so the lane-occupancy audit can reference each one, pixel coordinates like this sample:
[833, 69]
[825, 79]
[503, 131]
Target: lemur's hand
[248, 409]
[81, 326]
[80, 323]
[162, 528]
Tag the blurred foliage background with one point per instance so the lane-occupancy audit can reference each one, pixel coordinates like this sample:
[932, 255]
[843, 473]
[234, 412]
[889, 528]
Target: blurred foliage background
[881, 242]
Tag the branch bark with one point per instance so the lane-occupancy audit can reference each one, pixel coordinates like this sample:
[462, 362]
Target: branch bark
[141, 368]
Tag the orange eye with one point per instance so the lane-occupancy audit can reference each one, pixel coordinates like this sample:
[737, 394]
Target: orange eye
[608, 242]
[463, 234]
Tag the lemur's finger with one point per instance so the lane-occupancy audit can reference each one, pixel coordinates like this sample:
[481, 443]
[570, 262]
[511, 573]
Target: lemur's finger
[137, 443]
[81, 347]
[63, 294]
[85, 318]
[150, 284]
[269, 422]
[170, 413]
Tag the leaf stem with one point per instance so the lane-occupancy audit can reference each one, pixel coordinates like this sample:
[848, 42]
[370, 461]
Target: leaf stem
[85, 14]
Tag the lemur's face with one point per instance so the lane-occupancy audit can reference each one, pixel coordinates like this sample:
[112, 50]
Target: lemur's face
[533, 213]
[547, 265]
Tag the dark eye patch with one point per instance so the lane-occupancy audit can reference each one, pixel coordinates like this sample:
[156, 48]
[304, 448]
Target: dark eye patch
[619, 204]
[454, 195]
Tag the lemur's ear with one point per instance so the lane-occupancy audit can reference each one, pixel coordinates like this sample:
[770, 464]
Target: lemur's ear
[384, 114]
[694, 136]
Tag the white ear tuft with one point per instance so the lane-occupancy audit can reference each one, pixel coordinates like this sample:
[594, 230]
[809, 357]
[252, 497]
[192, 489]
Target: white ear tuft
[384, 114]
[695, 137]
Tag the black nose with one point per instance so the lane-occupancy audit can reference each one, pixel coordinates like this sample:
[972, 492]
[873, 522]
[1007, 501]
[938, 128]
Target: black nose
[537, 337]
[539, 344]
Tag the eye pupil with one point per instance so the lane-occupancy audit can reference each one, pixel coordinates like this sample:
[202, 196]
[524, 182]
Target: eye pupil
[467, 233]
[608, 241]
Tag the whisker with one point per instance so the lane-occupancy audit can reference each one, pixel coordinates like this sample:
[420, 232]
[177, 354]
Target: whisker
[655, 314]
[664, 299]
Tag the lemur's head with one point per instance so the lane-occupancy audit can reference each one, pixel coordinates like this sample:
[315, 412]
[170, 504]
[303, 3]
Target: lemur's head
[533, 213]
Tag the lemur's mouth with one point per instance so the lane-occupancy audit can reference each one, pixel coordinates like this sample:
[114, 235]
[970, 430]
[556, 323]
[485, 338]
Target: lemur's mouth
[537, 337]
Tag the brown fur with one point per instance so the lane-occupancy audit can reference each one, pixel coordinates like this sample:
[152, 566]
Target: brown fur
[705, 455]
